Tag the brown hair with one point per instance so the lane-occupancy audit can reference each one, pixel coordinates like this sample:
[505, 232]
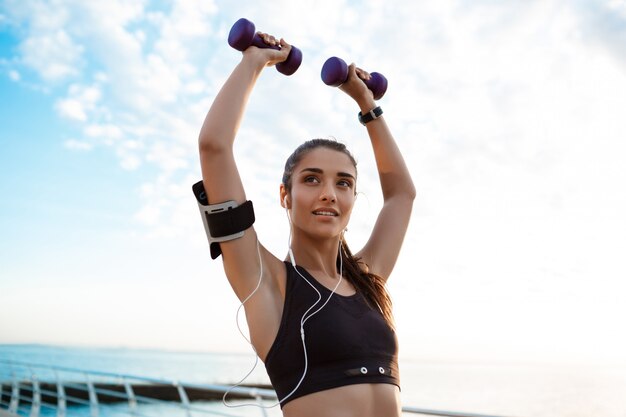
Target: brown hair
[371, 286]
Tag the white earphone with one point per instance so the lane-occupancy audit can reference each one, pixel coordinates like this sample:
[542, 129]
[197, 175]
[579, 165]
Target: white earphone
[291, 257]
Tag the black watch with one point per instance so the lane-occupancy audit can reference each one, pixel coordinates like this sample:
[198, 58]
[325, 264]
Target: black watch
[373, 114]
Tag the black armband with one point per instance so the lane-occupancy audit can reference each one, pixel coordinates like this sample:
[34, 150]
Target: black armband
[222, 221]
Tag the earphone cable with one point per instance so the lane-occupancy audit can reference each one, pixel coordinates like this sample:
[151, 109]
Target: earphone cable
[306, 316]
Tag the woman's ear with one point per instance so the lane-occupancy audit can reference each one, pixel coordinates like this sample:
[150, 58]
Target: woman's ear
[283, 197]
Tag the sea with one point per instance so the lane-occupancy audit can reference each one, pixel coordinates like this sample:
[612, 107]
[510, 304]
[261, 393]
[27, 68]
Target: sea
[498, 389]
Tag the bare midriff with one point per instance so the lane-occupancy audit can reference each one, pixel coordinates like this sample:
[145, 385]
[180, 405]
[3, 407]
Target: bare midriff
[361, 400]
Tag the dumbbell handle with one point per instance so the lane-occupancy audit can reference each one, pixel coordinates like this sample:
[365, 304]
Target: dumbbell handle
[243, 35]
[258, 41]
[335, 73]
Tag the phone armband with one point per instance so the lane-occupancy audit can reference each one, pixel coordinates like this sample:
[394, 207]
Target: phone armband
[222, 221]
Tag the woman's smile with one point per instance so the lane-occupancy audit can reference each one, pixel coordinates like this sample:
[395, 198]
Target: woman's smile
[326, 212]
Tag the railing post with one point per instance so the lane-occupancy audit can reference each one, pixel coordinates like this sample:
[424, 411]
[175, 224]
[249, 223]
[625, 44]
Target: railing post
[61, 399]
[15, 396]
[132, 401]
[183, 397]
[93, 398]
[36, 403]
[259, 399]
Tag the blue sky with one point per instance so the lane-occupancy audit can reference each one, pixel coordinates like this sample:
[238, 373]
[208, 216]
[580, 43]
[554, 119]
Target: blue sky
[510, 115]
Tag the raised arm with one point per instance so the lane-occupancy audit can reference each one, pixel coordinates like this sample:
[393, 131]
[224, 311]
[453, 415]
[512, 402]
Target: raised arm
[381, 250]
[220, 176]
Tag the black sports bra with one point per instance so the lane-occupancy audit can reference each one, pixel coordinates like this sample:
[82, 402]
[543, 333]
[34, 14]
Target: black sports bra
[347, 342]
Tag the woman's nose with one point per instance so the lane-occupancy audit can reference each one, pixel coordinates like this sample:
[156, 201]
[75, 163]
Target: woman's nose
[328, 194]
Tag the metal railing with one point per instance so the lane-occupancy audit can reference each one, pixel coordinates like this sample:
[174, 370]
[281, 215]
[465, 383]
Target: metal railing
[34, 390]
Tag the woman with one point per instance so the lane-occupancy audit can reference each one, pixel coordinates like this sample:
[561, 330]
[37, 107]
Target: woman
[321, 319]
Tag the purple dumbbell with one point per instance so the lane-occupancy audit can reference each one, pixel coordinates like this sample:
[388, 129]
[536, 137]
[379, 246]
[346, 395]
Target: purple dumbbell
[243, 34]
[335, 73]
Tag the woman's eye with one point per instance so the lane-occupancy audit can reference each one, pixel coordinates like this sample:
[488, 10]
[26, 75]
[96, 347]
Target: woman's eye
[311, 179]
[345, 183]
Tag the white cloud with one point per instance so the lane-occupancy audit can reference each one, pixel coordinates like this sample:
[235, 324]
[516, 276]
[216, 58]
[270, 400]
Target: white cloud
[78, 145]
[110, 133]
[603, 24]
[80, 101]
[53, 55]
[189, 19]
[72, 109]
[169, 158]
[128, 160]
[160, 82]
[149, 215]
[14, 75]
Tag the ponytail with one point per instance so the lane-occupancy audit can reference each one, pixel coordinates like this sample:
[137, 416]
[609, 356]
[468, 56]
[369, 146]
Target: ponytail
[372, 286]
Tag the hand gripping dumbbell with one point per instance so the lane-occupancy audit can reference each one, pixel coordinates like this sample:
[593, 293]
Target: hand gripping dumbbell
[243, 35]
[335, 73]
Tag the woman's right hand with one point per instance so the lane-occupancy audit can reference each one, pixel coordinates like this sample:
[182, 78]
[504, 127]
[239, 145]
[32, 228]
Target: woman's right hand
[268, 56]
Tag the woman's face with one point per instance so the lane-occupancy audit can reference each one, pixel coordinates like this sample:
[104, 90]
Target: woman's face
[322, 192]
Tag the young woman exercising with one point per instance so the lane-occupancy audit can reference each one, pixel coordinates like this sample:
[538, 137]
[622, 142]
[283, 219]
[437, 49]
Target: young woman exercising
[321, 318]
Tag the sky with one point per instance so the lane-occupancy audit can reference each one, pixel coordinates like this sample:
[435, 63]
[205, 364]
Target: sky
[510, 115]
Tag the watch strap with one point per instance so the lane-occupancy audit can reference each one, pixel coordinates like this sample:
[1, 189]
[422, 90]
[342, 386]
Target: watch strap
[373, 114]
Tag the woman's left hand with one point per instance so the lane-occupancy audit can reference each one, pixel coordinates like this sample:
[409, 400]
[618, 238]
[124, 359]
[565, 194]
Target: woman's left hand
[355, 87]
